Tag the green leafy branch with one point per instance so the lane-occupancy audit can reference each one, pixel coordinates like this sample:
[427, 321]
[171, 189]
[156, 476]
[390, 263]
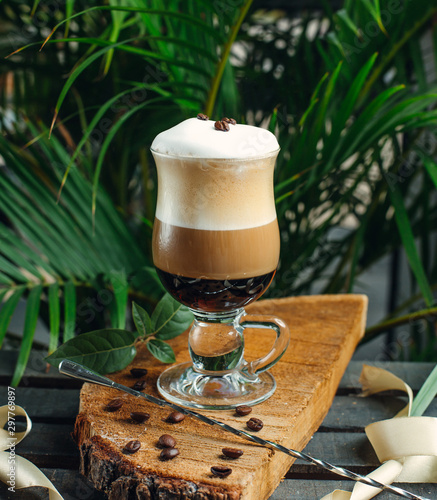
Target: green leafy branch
[110, 350]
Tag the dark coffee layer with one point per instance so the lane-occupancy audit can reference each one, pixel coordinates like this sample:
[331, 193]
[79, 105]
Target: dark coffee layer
[215, 295]
[218, 255]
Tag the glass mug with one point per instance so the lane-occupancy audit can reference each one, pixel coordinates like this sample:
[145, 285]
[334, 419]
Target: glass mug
[216, 249]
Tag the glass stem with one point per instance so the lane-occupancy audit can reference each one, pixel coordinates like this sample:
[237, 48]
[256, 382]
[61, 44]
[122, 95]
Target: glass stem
[216, 342]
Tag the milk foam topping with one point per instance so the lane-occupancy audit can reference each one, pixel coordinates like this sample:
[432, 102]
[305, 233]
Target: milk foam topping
[199, 139]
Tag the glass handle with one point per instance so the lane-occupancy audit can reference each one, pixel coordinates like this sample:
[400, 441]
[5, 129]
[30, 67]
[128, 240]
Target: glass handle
[279, 347]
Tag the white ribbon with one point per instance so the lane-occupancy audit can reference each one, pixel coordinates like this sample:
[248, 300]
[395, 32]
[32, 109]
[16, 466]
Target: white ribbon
[406, 446]
[16, 471]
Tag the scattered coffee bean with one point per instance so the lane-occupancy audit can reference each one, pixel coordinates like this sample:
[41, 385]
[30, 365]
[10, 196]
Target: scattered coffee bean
[138, 372]
[132, 446]
[243, 410]
[169, 453]
[166, 441]
[221, 471]
[255, 424]
[139, 416]
[201, 116]
[229, 120]
[114, 405]
[232, 452]
[175, 417]
[139, 385]
[219, 125]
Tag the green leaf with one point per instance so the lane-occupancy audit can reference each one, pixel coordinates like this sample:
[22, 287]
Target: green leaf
[77, 71]
[407, 238]
[273, 121]
[7, 311]
[146, 279]
[120, 289]
[431, 168]
[161, 350]
[210, 30]
[170, 318]
[104, 351]
[343, 16]
[32, 311]
[54, 316]
[426, 395]
[69, 310]
[375, 12]
[142, 320]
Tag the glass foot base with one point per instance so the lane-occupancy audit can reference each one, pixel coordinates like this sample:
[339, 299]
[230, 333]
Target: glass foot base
[182, 385]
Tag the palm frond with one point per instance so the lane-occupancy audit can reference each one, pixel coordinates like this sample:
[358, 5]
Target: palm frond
[49, 251]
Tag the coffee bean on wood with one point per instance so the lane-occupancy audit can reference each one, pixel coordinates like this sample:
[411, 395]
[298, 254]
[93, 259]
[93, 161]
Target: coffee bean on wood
[139, 416]
[169, 453]
[175, 417]
[139, 385]
[232, 452]
[138, 372]
[243, 410]
[114, 405]
[255, 424]
[132, 446]
[166, 441]
[221, 471]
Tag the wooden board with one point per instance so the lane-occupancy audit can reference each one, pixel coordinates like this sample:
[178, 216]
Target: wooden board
[324, 333]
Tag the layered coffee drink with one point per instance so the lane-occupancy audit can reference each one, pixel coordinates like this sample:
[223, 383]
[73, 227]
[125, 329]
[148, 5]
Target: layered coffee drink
[215, 236]
[216, 248]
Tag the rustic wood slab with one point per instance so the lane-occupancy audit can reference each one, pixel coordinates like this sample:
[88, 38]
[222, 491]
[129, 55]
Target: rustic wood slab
[324, 333]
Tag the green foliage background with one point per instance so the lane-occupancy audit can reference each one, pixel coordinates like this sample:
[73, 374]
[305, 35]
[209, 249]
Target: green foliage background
[347, 92]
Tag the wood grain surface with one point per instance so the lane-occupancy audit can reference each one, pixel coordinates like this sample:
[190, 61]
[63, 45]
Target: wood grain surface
[324, 333]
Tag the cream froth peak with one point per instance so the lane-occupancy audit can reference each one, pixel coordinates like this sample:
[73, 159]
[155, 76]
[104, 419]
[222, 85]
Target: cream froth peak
[200, 139]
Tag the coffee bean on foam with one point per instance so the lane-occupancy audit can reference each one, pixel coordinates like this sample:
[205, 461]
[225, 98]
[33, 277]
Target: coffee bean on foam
[232, 121]
[222, 126]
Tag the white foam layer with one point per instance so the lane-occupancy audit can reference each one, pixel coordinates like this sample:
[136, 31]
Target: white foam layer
[200, 139]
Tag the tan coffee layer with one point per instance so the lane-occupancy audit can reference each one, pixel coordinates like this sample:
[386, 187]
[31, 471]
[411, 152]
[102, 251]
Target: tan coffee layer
[218, 255]
[215, 194]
